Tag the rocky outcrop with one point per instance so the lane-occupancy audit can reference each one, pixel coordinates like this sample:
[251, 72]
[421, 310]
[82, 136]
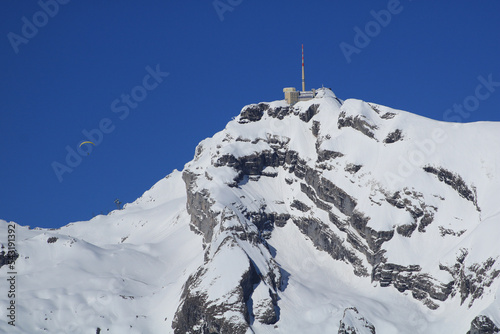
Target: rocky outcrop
[279, 112]
[357, 123]
[8, 257]
[483, 325]
[309, 113]
[253, 112]
[354, 323]
[264, 305]
[300, 206]
[352, 168]
[388, 115]
[422, 286]
[201, 313]
[324, 239]
[324, 194]
[393, 136]
[315, 128]
[406, 230]
[203, 219]
[413, 202]
[51, 240]
[448, 231]
[325, 155]
[456, 182]
[265, 222]
[471, 281]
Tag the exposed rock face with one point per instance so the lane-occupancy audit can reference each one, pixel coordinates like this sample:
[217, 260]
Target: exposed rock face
[327, 155]
[300, 206]
[51, 240]
[8, 257]
[324, 194]
[352, 168]
[198, 206]
[265, 305]
[447, 231]
[482, 325]
[456, 182]
[253, 113]
[406, 230]
[325, 240]
[309, 113]
[198, 314]
[357, 123]
[353, 323]
[393, 137]
[279, 112]
[471, 281]
[323, 208]
[411, 201]
[422, 286]
[388, 115]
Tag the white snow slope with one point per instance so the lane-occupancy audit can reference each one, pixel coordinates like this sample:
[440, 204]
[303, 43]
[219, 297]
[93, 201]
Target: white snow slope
[126, 272]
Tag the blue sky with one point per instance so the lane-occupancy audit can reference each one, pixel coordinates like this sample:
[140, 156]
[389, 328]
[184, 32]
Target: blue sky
[149, 80]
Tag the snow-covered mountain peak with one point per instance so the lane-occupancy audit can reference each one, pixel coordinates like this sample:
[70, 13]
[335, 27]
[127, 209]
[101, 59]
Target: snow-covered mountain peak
[326, 216]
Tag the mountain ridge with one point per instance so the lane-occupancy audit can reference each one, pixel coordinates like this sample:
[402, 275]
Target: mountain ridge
[385, 209]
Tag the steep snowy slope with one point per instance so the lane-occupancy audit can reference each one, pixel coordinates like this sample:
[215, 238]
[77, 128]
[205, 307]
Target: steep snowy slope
[328, 216]
[123, 271]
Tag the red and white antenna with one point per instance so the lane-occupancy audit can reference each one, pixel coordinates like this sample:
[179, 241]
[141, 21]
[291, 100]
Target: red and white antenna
[303, 75]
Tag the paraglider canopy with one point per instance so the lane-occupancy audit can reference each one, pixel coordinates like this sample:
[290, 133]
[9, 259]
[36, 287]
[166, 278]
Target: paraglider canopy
[86, 142]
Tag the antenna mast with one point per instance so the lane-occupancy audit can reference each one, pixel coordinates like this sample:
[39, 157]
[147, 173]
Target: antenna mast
[303, 75]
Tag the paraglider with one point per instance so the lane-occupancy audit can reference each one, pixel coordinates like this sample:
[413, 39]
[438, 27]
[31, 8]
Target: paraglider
[86, 142]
